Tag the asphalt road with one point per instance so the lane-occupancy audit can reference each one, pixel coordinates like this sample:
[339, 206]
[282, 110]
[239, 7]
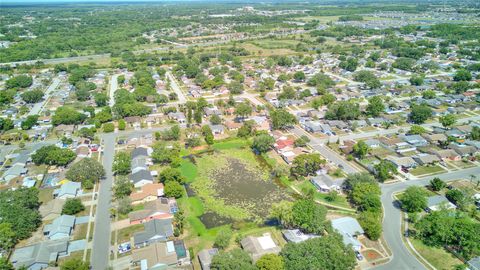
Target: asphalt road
[392, 231]
[37, 108]
[113, 88]
[101, 233]
[318, 145]
[176, 88]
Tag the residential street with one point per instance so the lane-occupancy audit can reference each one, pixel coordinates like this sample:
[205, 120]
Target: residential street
[101, 233]
[402, 258]
[37, 108]
[113, 88]
[176, 88]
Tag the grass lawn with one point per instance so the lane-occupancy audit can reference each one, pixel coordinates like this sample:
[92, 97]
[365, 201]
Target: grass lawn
[135, 207]
[189, 170]
[438, 257]
[463, 164]
[427, 170]
[340, 201]
[80, 231]
[125, 234]
[229, 144]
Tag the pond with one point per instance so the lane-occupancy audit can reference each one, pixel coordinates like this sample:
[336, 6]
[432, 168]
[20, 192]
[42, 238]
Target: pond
[235, 185]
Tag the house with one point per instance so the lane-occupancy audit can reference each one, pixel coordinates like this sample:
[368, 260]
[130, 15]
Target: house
[403, 147]
[347, 146]
[435, 138]
[157, 256]
[178, 116]
[69, 189]
[261, 123]
[350, 230]
[18, 169]
[296, 236]
[415, 140]
[217, 129]
[154, 231]
[209, 111]
[372, 143]
[205, 257]
[325, 183]
[162, 208]
[148, 192]
[231, 125]
[141, 177]
[474, 264]
[259, 246]
[464, 150]
[426, 159]
[283, 142]
[404, 163]
[313, 127]
[438, 202]
[447, 154]
[41, 255]
[61, 227]
[29, 182]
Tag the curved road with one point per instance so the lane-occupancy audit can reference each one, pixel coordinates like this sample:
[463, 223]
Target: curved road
[402, 258]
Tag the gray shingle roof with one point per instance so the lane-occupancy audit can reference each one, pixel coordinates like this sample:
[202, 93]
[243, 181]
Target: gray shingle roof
[155, 230]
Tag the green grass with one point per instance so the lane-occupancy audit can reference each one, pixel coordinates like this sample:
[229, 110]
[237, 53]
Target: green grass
[427, 170]
[125, 234]
[189, 170]
[438, 257]
[230, 144]
[340, 201]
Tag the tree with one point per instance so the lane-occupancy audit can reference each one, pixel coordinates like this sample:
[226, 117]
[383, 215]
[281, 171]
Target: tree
[437, 184]
[236, 88]
[309, 216]
[207, 133]
[456, 196]
[413, 199]
[350, 64]
[343, 110]
[123, 187]
[20, 81]
[371, 222]
[124, 205]
[121, 163]
[53, 155]
[462, 75]
[171, 174]
[299, 76]
[326, 253]
[72, 206]
[361, 149]
[262, 143]
[8, 237]
[281, 119]
[108, 127]
[447, 120]
[282, 212]
[101, 99]
[416, 80]
[302, 141]
[416, 129]
[33, 96]
[222, 240]
[29, 122]
[235, 259]
[87, 171]
[215, 120]
[74, 264]
[243, 110]
[5, 264]
[428, 94]
[247, 129]
[420, 113]
[375, 106]
[475, 133]
[87, 132]
[270, 262]
[306, 164]
[67, 116]
[121, 124]
[384, 170]
[173, 189]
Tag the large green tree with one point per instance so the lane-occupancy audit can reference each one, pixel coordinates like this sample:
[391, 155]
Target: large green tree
[235, 259]
[87, 171]
[309, 216]
[326, 253]
[414, 199]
